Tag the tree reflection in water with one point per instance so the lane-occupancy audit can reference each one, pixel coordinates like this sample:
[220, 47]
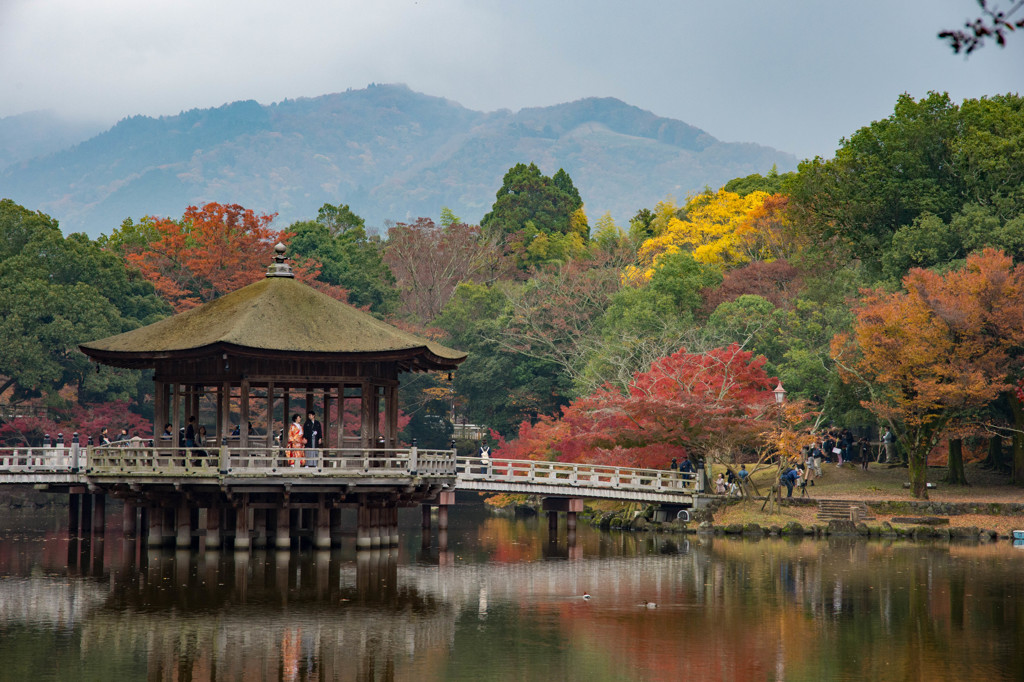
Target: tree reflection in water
[504, 603]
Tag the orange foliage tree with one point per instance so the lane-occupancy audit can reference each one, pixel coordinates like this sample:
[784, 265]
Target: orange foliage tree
[212, 251]
[943, 346]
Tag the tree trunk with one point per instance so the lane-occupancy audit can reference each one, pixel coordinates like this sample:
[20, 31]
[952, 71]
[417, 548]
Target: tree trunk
[994, 458]
[955, 474]
[1018, 438]
[918, 467]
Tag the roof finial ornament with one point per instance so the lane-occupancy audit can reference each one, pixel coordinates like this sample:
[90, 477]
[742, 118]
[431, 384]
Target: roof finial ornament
[279, 268]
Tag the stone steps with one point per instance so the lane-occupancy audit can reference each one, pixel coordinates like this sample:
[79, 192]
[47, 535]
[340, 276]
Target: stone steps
[844, 510]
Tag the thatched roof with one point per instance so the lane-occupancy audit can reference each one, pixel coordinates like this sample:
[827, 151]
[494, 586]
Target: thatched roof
[277, 316]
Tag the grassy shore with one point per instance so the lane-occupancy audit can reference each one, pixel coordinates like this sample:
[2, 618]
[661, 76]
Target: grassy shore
[879, 483]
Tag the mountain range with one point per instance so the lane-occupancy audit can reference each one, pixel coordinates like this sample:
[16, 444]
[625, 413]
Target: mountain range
[388, 152]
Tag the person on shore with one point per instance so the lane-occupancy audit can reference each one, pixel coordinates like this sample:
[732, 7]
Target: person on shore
[720, 485]
[865, 452]
[888, 453]
[816, 459]
[296, 442]
[313, 434]
[809, 473]
[742, 473]
[788, 479]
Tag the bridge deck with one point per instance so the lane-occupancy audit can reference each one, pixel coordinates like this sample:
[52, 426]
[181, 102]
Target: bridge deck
[354, 468]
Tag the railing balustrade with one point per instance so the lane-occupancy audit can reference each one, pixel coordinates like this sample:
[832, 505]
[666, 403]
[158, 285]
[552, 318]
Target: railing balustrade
[576, 475]
[38, 460]
[143, 458]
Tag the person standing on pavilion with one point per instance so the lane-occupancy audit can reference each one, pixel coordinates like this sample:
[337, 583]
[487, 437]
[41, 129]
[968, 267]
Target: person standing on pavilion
[296, 441]
[313, 433]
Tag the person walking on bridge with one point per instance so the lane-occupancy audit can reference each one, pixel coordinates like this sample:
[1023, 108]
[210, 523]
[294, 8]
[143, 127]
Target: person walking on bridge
[296, 442]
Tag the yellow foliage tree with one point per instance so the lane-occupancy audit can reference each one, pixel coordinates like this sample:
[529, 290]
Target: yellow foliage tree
[713, 230]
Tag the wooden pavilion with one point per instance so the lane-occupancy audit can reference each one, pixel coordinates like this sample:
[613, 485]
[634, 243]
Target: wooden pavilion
[269, 347]
[255, 356]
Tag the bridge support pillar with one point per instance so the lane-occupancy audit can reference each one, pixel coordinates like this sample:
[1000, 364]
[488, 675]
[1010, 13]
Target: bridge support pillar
[242, 540]
[444, 500]
[375, 515]
[128, 522]
[322, 533]
[183, 526]
[155, 534]
[425, 522]
[336, 529]
[99, 513]
[86, 518]
[570, 505]
[282, 531]
[74, 507]
[393, 525]
[363, 526]
[259, 530]
[213, 527]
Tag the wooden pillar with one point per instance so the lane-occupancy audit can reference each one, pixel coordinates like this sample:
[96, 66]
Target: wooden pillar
[128, 521]
[155, 535]
[287, 398]
[322, 533]
[570, 521]
[74, 504]
[282, 536]
[213, 527]
[340, 432]
[224, 414]
[183, 525]
[394, 526]
[159, 409]
[86, 518]
[243, 418]
[363, 525]
[425, 523]
[259, 518]
[270, 415]
[336, 529]
[175, 412]
[367, 427]
[99, 513]
[242, 524]
[552, 525]
[219, 426]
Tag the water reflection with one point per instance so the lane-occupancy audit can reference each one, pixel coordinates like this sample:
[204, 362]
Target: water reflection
[503, 602]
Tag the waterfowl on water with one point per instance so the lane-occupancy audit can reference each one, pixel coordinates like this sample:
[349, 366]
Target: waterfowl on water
[586, 595]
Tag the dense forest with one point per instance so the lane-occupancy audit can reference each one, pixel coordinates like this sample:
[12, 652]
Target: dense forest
[883, 287]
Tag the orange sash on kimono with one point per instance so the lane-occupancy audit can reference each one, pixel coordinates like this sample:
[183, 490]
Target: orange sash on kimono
[295, 443]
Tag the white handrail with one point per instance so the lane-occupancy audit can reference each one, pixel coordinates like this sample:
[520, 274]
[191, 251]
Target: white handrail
[536, 472]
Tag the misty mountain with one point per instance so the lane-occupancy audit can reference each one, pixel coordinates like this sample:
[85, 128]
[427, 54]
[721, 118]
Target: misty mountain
[38, 133]
[388, 152]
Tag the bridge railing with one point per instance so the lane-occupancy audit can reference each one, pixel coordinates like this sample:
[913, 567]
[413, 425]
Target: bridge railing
[132, 460]
[55, 459]
[583, 475]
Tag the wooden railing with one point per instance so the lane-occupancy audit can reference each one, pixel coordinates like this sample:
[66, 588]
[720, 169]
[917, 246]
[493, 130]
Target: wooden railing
[584, 476]
[116, 460]
[58, 459]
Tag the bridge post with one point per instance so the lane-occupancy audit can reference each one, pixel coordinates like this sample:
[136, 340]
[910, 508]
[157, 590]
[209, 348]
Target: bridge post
[99, 513]
[282, 532]
[213, 527]
[183, 525]
[445, 499]
[155, 536]
[73, 461]
[86, 519]
[336, 529]
[322, 533]
[570, 505]
[362, 525]
[259, 531]
[242, 541]
[375, 515]
[128, 524]
[74, 504]
[425, 521]
[393, 524]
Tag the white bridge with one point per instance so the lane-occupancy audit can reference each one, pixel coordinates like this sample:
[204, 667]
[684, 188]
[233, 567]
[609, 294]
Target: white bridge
[136, 463]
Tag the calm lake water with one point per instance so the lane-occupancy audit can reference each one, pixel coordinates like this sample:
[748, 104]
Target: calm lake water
[502, 603]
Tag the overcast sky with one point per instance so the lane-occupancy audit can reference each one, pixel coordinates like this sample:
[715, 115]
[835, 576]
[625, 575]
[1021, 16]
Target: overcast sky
[797, 75]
